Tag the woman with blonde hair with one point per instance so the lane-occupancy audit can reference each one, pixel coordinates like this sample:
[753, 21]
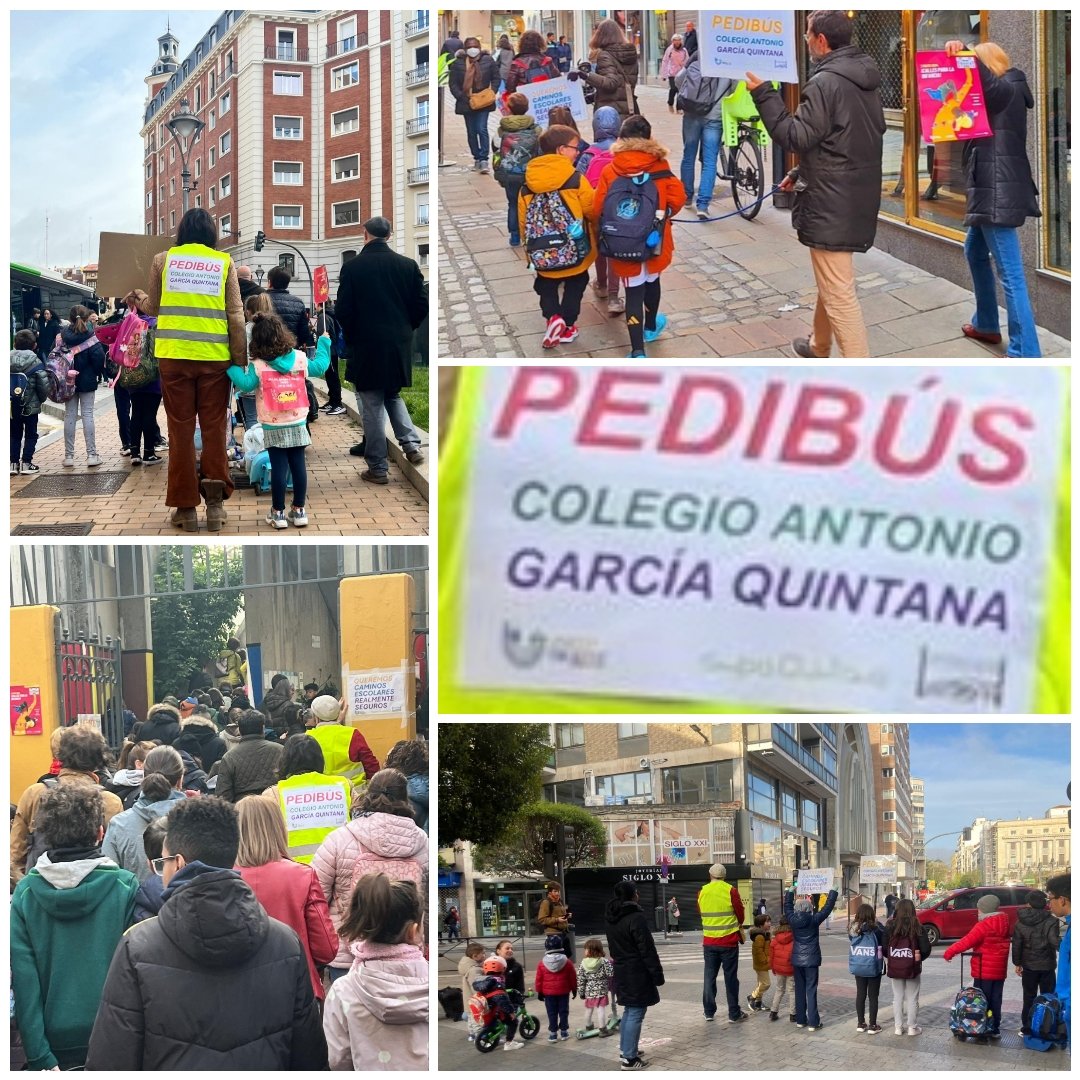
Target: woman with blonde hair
[289, 891]
[1001, 196]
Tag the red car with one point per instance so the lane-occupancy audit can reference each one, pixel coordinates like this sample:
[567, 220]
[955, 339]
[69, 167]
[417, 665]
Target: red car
[951, 915]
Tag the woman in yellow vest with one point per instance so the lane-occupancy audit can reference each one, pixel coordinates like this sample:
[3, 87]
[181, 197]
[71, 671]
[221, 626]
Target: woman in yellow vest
[195, 295]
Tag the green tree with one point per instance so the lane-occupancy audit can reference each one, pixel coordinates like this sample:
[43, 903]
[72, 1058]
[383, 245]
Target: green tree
[487, 772]
[519, 851]
[968, 880]
[937, 871]
[192, 626]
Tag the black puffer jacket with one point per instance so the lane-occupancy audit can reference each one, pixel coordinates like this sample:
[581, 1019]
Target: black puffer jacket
[1035, 940]
[837, 132]
[487, 75]
[162, 725]
[199, 737]
[615, 69]
[273, 705]
[90, 363]
[638, 971]
[291, 310]
[213, 983]
[1000, 188]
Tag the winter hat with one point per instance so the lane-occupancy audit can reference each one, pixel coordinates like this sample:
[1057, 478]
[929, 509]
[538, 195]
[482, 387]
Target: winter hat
[553, 943]
[170, 700]
[987, 905]
[718, 871]
[187, 707]
[326, 708]
[605, 124]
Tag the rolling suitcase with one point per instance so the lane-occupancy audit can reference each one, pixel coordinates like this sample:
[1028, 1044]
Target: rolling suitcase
[970, 1015]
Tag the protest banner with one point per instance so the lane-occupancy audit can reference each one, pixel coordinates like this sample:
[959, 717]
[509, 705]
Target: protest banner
[819, 880]
[731, 43]
[951, 102]
[372, 693]
[877, 870]
[546, 95]
[322, 285]
[847, 539]
[314, 806]
[124, 261]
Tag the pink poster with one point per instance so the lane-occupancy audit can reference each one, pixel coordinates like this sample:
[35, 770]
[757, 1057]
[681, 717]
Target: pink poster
[951, 104]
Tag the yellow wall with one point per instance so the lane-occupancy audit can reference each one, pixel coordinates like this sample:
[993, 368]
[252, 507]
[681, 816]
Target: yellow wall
[376, 634]
[33, 663]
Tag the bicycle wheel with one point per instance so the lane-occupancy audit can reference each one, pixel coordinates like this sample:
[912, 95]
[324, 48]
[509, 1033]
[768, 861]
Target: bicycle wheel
[747, 175]
[529, 1027]
[489, 1040]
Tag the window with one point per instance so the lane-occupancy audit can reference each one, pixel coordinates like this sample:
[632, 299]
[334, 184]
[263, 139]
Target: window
[286, 217]
[288, 172]
[566, 735]
[422, 210]
[287, 127]
[288, 264]
[692, 784]
[226, 143]
[423, 106]
[631, 731]
[289, 83]
[1057, 86]
[349, 75]
[566, 791]
[161, 162]
[888, 815]
[789, 807]
[149, 170]
[810, 818]
[346, 168]
[198, 201]
[211, 82]
[345, 121]
[886, 750]
[346, 30]
[172, 154]
[887, 773]
[422, 255]
[225, 104]
[885, 729]
[212, 37]
[198, 166]
[624, 785]
[213, 195]
[198, 98]
[172, 185]
[889, 793]
[161, 226]
[226, 186]
[149, 228]
[211, 120]
[149, 199]
[888, 837]
[286, 44]
[761, 794]
[226, 225]
[345, 257]
[347, 213]
[211, 158]
[172, 220]
[161, 193]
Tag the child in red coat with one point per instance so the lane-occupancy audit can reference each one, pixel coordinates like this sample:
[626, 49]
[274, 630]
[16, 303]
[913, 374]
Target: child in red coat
[781, 967]
[990, 940]
[556, 980]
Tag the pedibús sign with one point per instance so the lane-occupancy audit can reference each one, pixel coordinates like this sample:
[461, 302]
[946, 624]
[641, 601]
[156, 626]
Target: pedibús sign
[316, 806]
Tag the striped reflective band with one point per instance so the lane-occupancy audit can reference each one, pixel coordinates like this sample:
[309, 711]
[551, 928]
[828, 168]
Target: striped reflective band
[195, 312]
[191, 335]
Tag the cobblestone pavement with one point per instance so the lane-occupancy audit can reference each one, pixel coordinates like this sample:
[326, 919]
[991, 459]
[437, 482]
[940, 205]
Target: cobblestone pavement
[338, 503]
[735, 288]
[675, 1036]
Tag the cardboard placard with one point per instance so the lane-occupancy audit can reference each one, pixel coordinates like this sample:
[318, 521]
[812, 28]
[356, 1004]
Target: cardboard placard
[124, 261]
[731, 43]
[951, 102]
[546, 95]
[819, 880]
[877, 870]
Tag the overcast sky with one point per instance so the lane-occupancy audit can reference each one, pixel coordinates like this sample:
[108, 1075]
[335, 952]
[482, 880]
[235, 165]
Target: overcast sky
[77, 97]
[988, 770]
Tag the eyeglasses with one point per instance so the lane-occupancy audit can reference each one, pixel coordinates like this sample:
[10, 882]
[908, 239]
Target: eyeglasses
[159, 864]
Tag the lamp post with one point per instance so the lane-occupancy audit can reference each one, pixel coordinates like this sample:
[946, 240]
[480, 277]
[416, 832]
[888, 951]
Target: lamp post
[185, 126]
[259, 271]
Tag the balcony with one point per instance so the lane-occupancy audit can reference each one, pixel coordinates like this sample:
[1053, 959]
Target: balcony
[416, 27]
[417, 75]
[228, 72]
[336, 48]
[286, 53]
[418, 125]
[787, 756]
[419, 175]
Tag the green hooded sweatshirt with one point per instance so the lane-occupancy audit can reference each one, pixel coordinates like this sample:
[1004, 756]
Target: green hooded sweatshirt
[66, 919]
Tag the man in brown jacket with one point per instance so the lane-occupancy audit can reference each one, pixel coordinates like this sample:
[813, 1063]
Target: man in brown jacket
[554, 917]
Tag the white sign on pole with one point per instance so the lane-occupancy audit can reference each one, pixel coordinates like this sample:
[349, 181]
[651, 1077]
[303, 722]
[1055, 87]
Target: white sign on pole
[544, 96]
[815, 881]
[877, 870]
[90, 720]
[316, 806]
[731, 43]
[373, 693]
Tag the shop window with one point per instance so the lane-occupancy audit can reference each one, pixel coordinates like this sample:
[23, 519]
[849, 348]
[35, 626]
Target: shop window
[1057, 184]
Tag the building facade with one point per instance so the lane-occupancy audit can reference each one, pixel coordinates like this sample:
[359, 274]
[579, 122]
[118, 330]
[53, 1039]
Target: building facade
[918, 821]
[314, 122]
[972, 846]
[892, 786]
[1027, 851]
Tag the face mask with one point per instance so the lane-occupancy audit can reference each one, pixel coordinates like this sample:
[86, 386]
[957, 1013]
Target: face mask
[474, 53]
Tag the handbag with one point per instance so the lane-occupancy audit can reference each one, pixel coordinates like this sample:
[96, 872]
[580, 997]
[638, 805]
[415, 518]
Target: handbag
[482, 99]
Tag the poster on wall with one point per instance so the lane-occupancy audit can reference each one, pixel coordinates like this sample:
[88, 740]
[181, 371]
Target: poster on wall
[951, 102]
[846, 539]
[545, 96]
[731, 43]
[506, 22]
[375, 693]
[26, 710]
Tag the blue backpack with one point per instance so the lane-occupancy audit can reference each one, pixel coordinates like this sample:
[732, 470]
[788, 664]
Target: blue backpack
[864, 955]
[1046, 1024]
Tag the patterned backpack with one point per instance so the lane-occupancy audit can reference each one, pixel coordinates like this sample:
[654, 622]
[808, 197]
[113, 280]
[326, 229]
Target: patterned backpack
[554, 238]
[970, 1015]
[516, 150]
[59, 365]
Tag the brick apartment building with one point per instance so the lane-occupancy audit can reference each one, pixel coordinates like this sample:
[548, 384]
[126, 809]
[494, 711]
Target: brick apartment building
[892, 788]
[315, 121]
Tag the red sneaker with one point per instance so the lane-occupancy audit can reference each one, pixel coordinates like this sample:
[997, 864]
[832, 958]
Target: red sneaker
[569, 334]
[555, 328]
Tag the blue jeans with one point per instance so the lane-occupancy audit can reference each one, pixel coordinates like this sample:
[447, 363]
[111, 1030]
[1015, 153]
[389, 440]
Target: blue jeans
[24, 436]
[1003, 243]
[697, 130]
[558, 1012]
[513, 190]
[806, 1011]
[284, 460]
[633, 1017]
[476, 127]
[717, 957]
[372, 405]
[247, 410]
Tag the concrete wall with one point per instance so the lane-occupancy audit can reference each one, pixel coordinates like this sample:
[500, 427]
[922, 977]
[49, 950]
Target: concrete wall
[33, 663]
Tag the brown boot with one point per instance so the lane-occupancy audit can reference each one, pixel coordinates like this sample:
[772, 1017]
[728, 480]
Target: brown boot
[186, 518]
[213, 491]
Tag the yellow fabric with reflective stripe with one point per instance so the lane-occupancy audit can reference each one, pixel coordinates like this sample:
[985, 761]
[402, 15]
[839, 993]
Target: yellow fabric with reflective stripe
[1053, 675]
[192, 326]
[718, 917]
[303, 843]
[334, 740]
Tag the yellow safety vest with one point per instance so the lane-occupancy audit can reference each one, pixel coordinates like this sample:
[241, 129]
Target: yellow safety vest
[325, 814]
[192, 324]
[334, 740]
[718, 917]
[1052, 676]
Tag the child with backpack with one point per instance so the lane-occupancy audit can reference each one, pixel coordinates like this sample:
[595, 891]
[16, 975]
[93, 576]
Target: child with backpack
[866, 942]
[1035, 942]
[636, 198]
[470, 968]
[759, 944]
[517, 142]
[989, 940]
[278, 375]
[29, 388]
[554, 208]
[556, 980]
[597, 972]
[80, 359]
[606, 122]
[905, 948]
[491, 1004]
[780, 965]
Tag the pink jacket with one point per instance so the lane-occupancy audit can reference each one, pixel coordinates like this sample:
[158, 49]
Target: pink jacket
[290, 892]
[376, 1017]
[380, 844]
[674, 61]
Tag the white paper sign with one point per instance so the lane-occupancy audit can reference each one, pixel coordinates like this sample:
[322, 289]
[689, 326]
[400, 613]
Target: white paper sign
[815, 881]
[731, 43]
[194, 274]
[317, 806]
[877, 869]
[373, 693]
[546, 95]
[843, 539]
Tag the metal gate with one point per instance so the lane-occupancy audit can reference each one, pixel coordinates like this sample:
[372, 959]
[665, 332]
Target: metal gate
[88, 670]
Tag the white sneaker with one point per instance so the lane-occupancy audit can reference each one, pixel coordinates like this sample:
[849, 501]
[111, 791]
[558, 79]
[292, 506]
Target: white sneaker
[69, 461]
[277, 519]
[93, 461]
[297, 516]
[514, 1045]
[916, 1030]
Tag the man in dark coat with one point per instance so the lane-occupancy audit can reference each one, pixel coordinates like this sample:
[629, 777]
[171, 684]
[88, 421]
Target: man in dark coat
[162, 725]
[213, 983]
[248, 287]
[250, 767]
[837, 132]
[289, 307]
[690, 39]
[452, 45]
[380, 302]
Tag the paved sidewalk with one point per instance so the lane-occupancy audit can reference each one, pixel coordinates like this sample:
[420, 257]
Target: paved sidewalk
[735, 288]
[129, 500]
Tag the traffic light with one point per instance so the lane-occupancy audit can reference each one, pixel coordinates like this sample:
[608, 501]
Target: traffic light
[260, 240]
[549, 851]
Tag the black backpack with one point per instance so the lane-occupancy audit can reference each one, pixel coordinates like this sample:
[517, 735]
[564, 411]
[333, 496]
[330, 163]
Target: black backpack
[516, 149]
[630, 215]
[37, 843]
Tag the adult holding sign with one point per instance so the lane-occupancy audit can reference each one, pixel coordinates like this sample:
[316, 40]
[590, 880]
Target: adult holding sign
[1001, 196]
[806, 951]
[837, 132]
[195, 294]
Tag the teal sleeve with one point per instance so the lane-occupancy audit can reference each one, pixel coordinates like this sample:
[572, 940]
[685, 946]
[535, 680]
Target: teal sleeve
[318, 364]
[244, 379]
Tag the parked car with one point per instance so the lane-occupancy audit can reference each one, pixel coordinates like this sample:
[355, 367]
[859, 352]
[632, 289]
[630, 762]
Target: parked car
[951, 915]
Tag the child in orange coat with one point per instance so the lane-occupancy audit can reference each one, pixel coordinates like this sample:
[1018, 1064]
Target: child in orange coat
[636, 152]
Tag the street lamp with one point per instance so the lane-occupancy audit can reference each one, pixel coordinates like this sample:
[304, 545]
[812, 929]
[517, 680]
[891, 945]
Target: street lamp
[185, 127]
[259, 271]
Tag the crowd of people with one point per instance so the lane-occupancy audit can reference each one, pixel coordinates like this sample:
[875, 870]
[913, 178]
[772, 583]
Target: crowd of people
[224, 352]
[609, 203]
[233, 887]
